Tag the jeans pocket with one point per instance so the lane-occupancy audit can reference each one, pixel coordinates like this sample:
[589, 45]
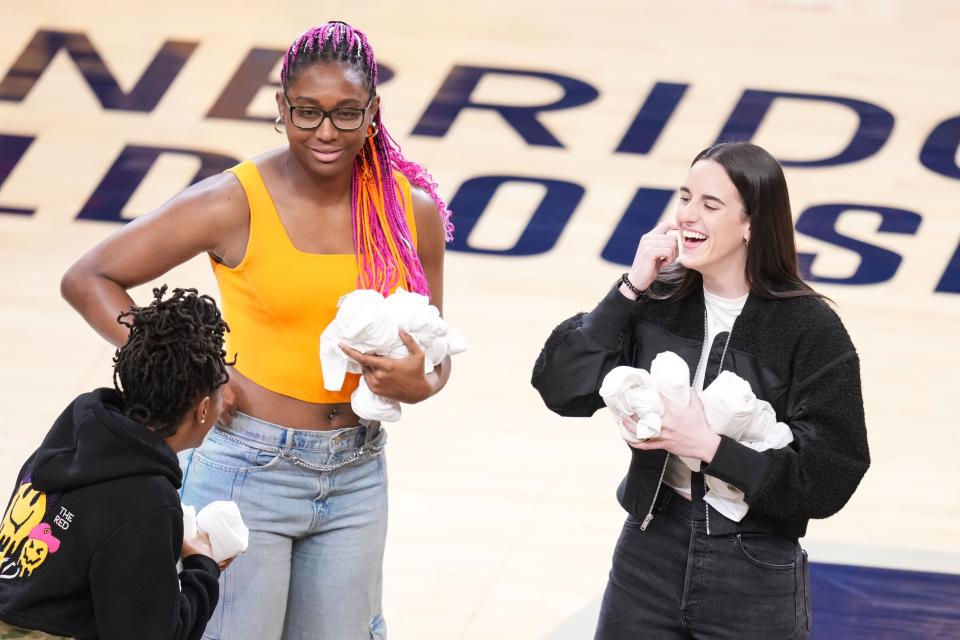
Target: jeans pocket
[222, 452]
[768, 551]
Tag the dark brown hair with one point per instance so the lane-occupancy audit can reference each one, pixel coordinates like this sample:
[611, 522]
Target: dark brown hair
[772, 270]
[173, 357]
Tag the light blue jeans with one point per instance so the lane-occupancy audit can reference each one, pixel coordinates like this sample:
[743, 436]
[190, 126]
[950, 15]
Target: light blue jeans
[316, 506]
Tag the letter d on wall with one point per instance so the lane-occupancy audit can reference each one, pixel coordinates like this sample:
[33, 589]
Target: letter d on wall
[129, 170]
[872, 131]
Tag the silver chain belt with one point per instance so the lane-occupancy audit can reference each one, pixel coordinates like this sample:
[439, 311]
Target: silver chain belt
[295, 459]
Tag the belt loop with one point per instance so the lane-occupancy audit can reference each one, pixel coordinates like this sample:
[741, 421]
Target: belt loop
[373, 428]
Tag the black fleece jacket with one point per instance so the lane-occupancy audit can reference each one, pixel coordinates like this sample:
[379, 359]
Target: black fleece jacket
[796, 355]
[91, 537]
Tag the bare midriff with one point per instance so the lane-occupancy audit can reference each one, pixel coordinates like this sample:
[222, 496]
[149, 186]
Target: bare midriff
[269, 406]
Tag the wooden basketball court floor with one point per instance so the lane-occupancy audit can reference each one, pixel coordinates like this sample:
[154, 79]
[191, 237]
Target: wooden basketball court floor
[503, 516]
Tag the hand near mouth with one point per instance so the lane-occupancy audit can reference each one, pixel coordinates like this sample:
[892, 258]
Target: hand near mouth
[657, 248]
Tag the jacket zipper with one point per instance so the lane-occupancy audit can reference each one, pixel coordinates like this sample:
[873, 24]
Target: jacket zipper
[647, 518]
[705, 504]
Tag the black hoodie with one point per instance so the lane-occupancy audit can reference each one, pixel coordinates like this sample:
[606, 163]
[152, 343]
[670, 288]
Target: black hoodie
[91, 537]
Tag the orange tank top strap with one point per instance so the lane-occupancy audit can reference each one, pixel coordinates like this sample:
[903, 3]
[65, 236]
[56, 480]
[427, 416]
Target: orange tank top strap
[266, 229]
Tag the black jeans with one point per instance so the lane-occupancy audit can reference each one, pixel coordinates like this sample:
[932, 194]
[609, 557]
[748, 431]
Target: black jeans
[675, 581]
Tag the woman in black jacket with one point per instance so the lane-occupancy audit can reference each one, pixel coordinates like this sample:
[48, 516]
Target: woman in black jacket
[720, 288]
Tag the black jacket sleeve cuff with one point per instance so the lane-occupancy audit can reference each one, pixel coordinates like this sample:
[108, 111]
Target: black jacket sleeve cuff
[738, 465]
[607, 320]
[203, 563]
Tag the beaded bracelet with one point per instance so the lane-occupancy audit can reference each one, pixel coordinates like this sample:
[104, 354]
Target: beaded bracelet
[624, 280]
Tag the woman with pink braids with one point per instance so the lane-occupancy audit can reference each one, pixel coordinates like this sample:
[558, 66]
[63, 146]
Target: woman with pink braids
[338, 208]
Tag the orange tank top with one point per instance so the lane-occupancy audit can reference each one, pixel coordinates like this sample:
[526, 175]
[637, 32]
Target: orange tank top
[278, 300]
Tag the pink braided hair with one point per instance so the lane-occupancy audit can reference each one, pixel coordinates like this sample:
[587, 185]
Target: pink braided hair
[385, 253]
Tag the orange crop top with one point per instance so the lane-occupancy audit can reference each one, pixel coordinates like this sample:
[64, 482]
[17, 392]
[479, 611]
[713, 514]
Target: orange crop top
[278, 300]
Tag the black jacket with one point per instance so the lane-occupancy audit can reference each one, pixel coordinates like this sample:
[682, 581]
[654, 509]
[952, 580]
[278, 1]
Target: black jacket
[794, 352]
[91, 537]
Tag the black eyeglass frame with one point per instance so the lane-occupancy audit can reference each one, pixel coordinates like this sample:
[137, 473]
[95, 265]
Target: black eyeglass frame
[328, 114]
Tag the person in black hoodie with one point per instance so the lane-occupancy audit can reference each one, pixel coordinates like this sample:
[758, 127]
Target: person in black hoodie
[719, 286]
[91, 537]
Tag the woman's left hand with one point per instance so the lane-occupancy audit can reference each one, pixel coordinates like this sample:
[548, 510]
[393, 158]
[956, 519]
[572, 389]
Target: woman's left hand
[401, 379]
[684, 432]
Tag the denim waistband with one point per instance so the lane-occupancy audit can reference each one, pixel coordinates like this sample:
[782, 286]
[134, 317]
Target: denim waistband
[368, 434]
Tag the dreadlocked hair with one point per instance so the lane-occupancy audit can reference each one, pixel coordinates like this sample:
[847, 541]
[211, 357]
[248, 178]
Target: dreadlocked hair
[385, 254]
[173, 357]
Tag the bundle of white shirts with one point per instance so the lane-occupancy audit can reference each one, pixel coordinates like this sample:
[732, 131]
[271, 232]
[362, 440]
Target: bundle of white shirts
[635, 398]
[221, 521]
[370, 323]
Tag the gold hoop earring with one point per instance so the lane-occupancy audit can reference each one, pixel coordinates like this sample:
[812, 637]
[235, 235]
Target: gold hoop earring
[373, 130]
[279, 126]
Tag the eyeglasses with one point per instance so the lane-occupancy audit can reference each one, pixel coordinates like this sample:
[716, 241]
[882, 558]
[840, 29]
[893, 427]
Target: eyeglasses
[344, 119]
